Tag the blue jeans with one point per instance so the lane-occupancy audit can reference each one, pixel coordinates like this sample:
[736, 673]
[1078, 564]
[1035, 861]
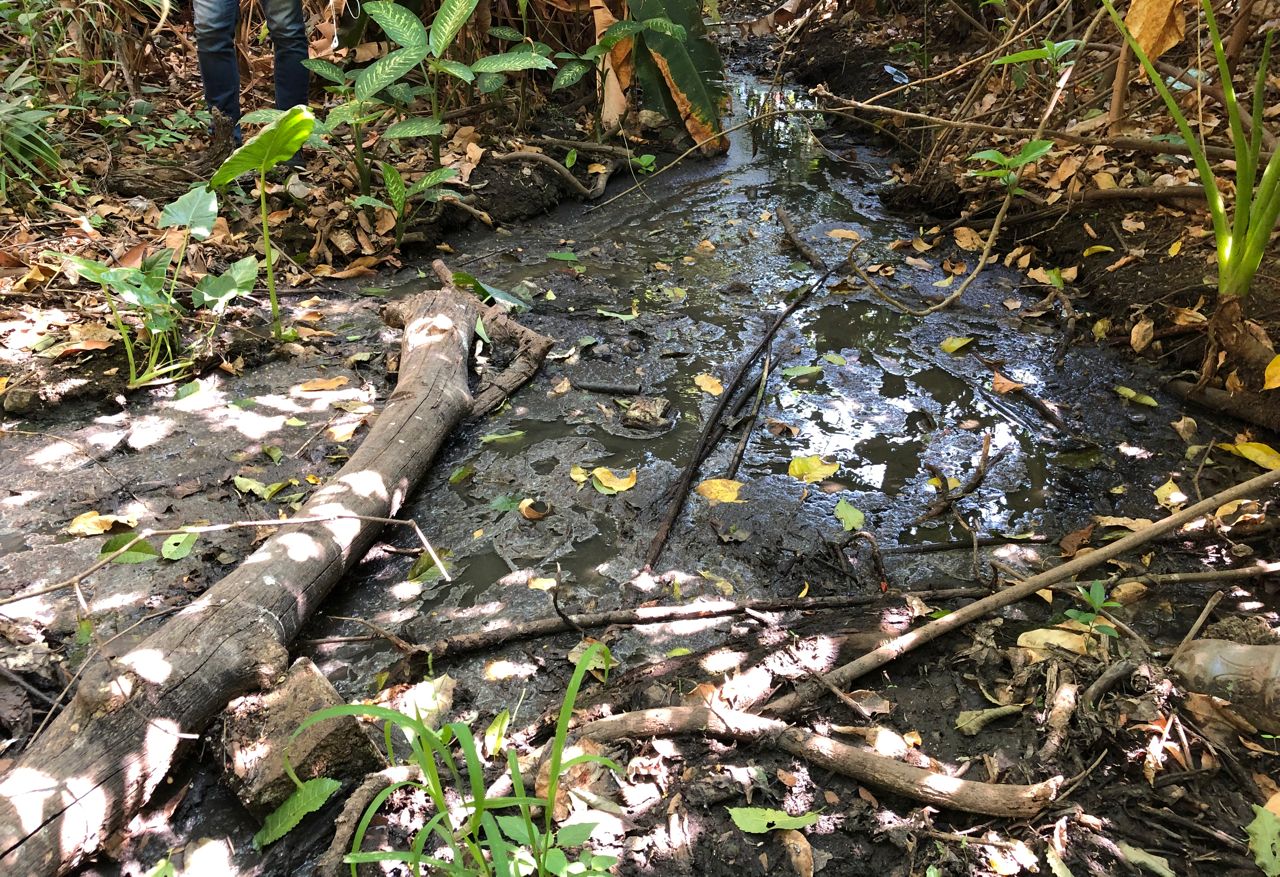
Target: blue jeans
[215, 25]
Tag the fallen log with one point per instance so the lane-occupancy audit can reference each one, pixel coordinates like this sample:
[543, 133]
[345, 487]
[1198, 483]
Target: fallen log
[102, 758]
[992, 799]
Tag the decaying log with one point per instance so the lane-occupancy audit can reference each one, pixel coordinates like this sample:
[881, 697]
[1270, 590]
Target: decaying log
[992, 799]
[101, 759]
[1252, 408]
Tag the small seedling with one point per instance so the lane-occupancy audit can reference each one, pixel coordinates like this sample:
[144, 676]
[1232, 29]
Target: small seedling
[1095, 596]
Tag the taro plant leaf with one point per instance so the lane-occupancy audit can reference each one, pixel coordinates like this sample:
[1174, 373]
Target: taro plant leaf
[141, 551]
[759, 820]
[215, 292]
[681, 77]
[511, 61]
[450, 18]
[178, 545]
[385, 71]
[275, 143]
[416, 127]
[571, 74]
[399, 23]
[394, 184]
[195, 210]
[326, 70]
[307, 798]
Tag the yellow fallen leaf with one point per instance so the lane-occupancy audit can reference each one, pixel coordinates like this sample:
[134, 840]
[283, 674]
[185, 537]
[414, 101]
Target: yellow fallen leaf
[578, 474]
[1176, 247]
[1256, 452]
[709, 384]
[945, 282]
[844, 234]
[718, 490]
[342, 432]
[94, 524]
[1039, 643]
[4, 384]
[1170, 495]
[602, 476]
[952, 483]
[811, 469]
[597, 168]
[1272, 379]
[1098, 248]
[1128, 523]
[317, 384]
[953, 343]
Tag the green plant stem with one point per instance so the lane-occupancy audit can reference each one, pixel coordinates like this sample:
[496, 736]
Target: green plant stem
[124, 335]
[276, 331]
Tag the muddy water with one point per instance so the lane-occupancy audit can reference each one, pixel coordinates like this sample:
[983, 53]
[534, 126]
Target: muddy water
[693, 268]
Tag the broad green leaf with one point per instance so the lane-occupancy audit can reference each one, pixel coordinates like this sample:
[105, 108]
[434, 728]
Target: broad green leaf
[511, 61]
[1264, 840]
[140, 552]
[575, 835]
[399, 23]
[370, 201]
[850, 517]
[454, 68]
[835, 358]
[394, 185]
[954, 343]
[275, 143]
[384, 72]
[484, 290]
[504, 504]
[195, 211]
[501, 436]
[1032, 152]
[563, 256]
[681, 77]
[417, 127]
[992, 155]
[665, 26]
[619, 31]
[306, 799]
[811, 469]
[801, 371]
[264, 116]
[510, 34]
[216, 292]
[450, 18]
[432, 179]
[178, 545]
[571, 74]
[760, 820]
[488, 83]
[461, 474]
[326, 69]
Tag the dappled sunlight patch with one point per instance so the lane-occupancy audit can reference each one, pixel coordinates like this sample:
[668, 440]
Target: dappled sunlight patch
[123, 600]
[26, 790]
[723, 661]
[367, 484]
[299, 547]
[149, 664]
[86, 805]
[18, 500]
[406, 590]
[502, 670]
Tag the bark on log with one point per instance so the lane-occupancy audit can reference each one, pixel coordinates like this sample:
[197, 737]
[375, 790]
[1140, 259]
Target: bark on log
[992, 799]
[105, 754]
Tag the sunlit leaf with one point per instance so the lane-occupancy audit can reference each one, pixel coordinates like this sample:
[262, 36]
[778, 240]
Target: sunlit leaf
[850, 517]
[718, 490]
[275, 143]
[94, 524]
[1135, 396]
[811, 469]
[178, 545]
[1256, 452]
[306, 799]
[501, 436]
[196, 210]
[759, 820]
[139, 552]
[953, 343]
[709, 384]
[606, 481]
[1272, 378]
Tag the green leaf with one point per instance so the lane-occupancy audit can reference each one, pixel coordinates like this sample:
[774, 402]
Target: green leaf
[178, 545]
[811, 469]
[510, 34]
[852, 518]
[416, 127]
[759, 820]
[665, 26]
[954, 343]
[461, 474]
[385, 71]
[216, 292]
[399, 23]
[619, 31]
[488, 83]
[835, 359]
[681, 77]
[495, 736]
[306, 799]
[326, 70]
[571, 74]
[264, 116]
[800, 371]
[140, 552]
[992, 155]
[571, 158]
[1032, 152]
[450, 18]
[501, 436]
[504, 504]
[1135, 396]
[370, 201]
[617, 316]
[454, 68]
[484, 290]
[190, 388]
[275, 143]
[511, 61]
[195, 211]
[432, 179]
[394, 184]
[563, 256]
[517, 829]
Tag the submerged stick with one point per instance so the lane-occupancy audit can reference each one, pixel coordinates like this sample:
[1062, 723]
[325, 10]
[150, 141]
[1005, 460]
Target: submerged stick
[893, 649]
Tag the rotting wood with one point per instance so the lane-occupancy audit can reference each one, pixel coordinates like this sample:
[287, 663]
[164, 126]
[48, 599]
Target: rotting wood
[807, 693]
[992, 799]
[1252, 408]
[102, 758]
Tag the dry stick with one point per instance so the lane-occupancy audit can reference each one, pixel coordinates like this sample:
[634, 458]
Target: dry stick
[1209, 606]
[464, 643]
[705, 442]
[741, 449]
[993, 799]
[984, 607]
[596, 190]
[1120, 89]
[142, 535]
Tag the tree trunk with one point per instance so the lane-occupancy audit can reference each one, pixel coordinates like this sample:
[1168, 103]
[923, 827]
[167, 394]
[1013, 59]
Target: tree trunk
[101, 759]
[1248, 349]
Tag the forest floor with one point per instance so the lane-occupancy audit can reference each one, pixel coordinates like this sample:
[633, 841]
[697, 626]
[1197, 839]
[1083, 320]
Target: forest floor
[664, 292]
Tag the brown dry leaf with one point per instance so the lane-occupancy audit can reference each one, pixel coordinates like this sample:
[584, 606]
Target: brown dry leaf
[1141, 335]
[968, 239]
[1156, 25]
[844, 234]
[921, 264]
[320, 384]
[709, 384]
[1074, 541]
[778, 427]
[94, 524]
[1003, 385]
[798, 850]
[1066, 170]
[787, 778]
[1185, 427]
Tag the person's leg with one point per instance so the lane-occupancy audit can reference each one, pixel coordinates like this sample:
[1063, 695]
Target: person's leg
[288, 30]
[215, 26]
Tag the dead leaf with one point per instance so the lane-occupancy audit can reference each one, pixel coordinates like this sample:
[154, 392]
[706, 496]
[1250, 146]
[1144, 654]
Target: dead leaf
[1075, 540]
[94, 524]
[1156, 25]
[709, 384]
[720, 490]
[1003, 385]
[968, 239]
[320, 384]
